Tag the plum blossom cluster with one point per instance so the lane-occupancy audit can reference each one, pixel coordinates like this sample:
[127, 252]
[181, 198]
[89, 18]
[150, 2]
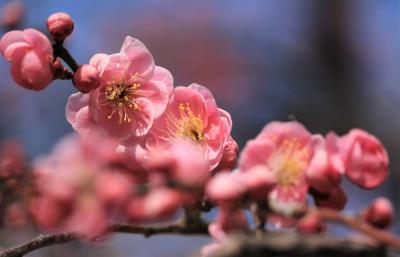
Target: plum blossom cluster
[146, 149]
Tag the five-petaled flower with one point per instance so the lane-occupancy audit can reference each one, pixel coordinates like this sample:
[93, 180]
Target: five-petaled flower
[132, 93]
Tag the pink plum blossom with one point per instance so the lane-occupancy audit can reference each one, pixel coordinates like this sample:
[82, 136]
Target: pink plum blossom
[226, 188]
[326, 165]
[31, 55]
[132, 93]
[86, 78]
[228, 221]
[182, 162]
[284, 149]
[365, 159]
[78, 190]
[380, 213]
[192, 115]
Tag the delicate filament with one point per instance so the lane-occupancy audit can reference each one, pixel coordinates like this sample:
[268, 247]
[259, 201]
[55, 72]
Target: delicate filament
[288, 162]
[121, 96]
[187, 126]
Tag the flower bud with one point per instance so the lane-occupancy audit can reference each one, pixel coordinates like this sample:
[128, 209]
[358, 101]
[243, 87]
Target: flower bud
[60, 26]
[380, 213]
[86, 78]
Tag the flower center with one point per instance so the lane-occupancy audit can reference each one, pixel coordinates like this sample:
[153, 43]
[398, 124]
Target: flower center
[288, 162]
[190, 126]
[120, 96]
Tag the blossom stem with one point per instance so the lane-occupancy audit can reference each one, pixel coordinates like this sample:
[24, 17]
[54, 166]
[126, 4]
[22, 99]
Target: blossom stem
[61, 238]
[358, 224]
[259, 217]
[60, 51]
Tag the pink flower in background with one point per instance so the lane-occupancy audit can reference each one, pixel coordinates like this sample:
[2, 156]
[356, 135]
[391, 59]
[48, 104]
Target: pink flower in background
[365, 158]
[132, 93]
[326, 166]
[192, 115]
[182, 162]
[31, 55]
[228, 221]
[78, 189]
[226, 188]
[284, 149]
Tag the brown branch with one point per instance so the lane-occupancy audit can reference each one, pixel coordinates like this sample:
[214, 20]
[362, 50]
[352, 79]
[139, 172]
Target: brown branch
[278, 244]
[60, 51]
[41, 241]
[358, 224]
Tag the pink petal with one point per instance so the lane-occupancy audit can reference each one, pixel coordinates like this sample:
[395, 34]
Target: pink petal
[162, 74]
[17, 46]
[97, 59]
[10, 38]
[75, 103]
[31, 70]
[141, 60]
[255, 152]
[157, 93]
[38, 40]
[144, 118]
[288, 200]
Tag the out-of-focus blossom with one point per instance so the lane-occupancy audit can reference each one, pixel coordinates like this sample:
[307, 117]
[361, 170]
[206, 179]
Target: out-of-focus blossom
[60, 26]
[30, 53]
[192, 115]
[78, 188]
[258, 182]
[132, 93]
[86, 78]
[284, 149]
[228, 221]
[226, 188]
[380, 213]
[160, 203]
[365, 158]
[335, 199]
[183, 162]
[12, 14]
[229, 156]
[326, 165]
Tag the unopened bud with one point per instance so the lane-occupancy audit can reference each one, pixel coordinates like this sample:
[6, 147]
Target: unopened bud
[86, 78]
[379, 213]
[60, 25]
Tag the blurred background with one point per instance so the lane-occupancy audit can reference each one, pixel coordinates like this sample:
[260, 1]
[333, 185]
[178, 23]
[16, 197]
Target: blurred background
[332, 65]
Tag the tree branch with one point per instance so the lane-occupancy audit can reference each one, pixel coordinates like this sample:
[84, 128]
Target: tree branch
[61, 238]
[278, 244]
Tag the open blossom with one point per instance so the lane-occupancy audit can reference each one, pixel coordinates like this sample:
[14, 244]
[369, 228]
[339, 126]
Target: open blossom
[77, 189]
[31, 54]
[191, 114]
[132, 93]
[365, 159]
[284, 149]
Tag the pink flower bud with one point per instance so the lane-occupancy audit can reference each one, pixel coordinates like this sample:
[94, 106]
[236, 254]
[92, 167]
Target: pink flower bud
[324, 170]
[225, 188]
[159, 203]
[30, 53]
[60, 25]
[13, 13]
[365, 158]
[335, 199]
[379, 213]
[86, 78]
[311, 223]
[259, 182]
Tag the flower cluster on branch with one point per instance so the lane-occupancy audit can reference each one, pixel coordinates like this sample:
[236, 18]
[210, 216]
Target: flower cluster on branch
[146, 151]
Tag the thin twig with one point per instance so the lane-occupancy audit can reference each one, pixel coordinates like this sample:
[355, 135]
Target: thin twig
[358, 224]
